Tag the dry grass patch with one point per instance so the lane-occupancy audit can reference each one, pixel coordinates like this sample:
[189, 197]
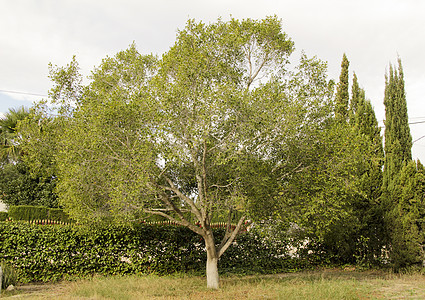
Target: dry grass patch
[323, 284]
[399, 287]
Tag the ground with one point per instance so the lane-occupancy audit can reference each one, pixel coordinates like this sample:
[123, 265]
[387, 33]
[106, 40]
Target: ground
[318, 284]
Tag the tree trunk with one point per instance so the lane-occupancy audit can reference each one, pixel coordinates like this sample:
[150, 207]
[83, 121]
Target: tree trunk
[212, 262]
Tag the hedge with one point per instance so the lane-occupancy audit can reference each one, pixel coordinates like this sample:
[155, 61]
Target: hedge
[4, 215]
[46, 253]
[29, 213]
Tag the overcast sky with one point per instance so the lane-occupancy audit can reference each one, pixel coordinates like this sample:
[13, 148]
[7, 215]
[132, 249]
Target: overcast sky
[372, 33]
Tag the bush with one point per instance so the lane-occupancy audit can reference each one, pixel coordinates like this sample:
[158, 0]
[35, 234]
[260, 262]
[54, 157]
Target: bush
[9, 275]
[4, 215]
[57, 214]
[20, 186]
[29, 213]
[44, 253]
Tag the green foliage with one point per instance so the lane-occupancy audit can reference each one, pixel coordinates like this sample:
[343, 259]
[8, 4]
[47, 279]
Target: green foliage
[321, 195]
[219, 127]
[190, 120]
[342, 95]
[44, 253]
[368, 234]
[398, 141]
[19, 187]
[183, 136]
[4, 215]
[406, 221]
[21, 181]
[9, 147]
[354, 233]
[9, 275]
[57, 214]
[39, 140]
[402, 190]
[29, 213]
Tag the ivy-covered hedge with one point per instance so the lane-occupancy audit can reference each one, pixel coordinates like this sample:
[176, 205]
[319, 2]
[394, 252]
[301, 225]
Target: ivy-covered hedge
[29, 213]
[44, 253]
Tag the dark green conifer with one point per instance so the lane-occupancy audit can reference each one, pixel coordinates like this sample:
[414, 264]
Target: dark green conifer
[369, 178]
[403, 179]
[406, 219]
[398, 141]
[342, 95]
[355, 98]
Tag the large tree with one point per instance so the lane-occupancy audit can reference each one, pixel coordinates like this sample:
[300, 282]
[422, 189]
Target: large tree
[353, 183]
[215, 128]
[369, 179]
[398, 141]
[403, 179]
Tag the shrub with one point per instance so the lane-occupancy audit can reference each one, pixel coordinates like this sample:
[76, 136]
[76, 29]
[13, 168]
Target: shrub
[9, 275]
[58, 214]
[44, 253]
[29, 213]
[4, 215]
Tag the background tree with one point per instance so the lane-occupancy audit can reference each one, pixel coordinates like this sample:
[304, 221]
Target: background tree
[406, 219]
[9, 151]
[30, 179]
[402, 179]
[18, 185]
[342, 93]
[350, 181]
[369, 178]
[398, 141]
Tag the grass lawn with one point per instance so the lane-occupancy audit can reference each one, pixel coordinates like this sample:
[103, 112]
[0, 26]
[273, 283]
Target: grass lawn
[322, 284]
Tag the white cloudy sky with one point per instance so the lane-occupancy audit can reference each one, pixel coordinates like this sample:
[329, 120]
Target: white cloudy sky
[372, 33]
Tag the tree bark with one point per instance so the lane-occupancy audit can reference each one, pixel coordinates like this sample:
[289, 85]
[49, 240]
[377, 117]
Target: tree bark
[212, 262]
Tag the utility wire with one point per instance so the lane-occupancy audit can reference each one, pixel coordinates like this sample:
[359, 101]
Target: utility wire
[23, 93]
[41, 95]
[417, 122]
[418, 139]
[410, 123]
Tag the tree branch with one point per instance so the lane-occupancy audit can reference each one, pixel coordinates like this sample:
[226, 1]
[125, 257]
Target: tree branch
[174, 189]
[231, 238]
[183, 222]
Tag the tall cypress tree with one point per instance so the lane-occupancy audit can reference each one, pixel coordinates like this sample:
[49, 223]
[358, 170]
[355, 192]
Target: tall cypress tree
[402, 178]
[363, 118]
[369, 178]
[359, 235]
[356, 95]
[398, 141]
[342, 94]
[406, 219]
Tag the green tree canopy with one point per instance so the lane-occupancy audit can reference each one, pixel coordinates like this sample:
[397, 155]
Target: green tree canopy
[215, 128]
